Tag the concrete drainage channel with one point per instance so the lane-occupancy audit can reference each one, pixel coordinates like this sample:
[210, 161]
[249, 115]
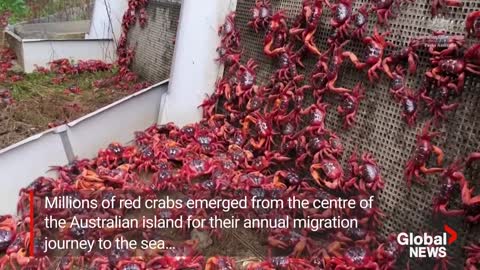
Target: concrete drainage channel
[23, 162]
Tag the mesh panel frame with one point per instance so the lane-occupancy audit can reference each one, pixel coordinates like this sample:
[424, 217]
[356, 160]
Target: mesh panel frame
[154, 44]
[379, 127]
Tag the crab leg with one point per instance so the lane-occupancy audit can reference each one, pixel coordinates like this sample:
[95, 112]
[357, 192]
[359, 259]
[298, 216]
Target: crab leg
[439, 154]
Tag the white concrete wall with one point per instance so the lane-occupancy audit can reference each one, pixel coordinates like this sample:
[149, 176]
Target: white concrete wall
[107, 19]
[194, 69]
[115, 123]
[27, 160]
[24, 162]
[41, 52]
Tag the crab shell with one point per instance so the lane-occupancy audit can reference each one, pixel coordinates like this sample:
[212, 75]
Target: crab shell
[342, 12]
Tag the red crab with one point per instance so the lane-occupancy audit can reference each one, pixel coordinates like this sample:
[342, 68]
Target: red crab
[145, 160]
[251, 180]
[342, 14]
[68, 262]
[385, 9]
[355, 257]
[143, 17]
[472, 24]
[317, 113]
[264, 130]
[166, 179]
[306, 24]
[73, 90]
[283, 262]
[440, 4]
[288, 62]
[437, 101]
[453, 180]
[42, 186]
[360, 20]
[172, 150]
[359, 236]
[220, 263]
[452, 72]
[330, 68]
[8, 230]
[89, 180]
[331, 170]
[373, 58]
[247, 78]
[113, 155]
[365, 174]
[289, 239]
[276, 37]
[398, 84]
[471, 204]
[290, 178]
[229, 33]
[407, 54]
[266, 161]
[471, 158]
[205, 142]
[261, 15]
[368, 216]
[410, 102]
[350, 104]
[239, 156]
[473, 256]
[16, 253]
[184, 257]
[441, 44]
[388, 252]
[417, 164]
[133, 263]
[6, 97]
[121, 177]
[196, 166]
[230, 57]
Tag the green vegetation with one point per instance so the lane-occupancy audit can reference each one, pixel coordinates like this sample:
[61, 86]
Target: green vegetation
[17, 8]
[38, 84]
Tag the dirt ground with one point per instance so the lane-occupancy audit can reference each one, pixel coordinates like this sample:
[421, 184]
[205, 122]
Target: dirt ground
[40, 102]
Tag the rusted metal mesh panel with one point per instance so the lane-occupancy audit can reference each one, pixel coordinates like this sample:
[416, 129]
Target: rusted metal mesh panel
[154, 44]
[380, 128]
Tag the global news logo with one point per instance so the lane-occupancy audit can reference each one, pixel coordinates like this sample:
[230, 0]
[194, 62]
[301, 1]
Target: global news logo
[426, 245]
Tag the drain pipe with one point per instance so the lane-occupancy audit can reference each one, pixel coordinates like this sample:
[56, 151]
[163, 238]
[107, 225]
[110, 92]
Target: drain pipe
[194, 69]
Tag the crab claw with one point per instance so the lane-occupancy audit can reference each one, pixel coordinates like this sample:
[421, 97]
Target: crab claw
[267, 48]
[472, 157]
[386, 67]
[412, 63]
[299, 247]
[276, 243]
[334, 184]
[471, 24]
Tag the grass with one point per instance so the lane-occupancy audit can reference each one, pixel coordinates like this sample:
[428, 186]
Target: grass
[40, 102]
[37, 84]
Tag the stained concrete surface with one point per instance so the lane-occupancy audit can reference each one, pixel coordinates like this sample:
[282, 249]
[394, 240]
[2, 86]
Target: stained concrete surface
[57, 30]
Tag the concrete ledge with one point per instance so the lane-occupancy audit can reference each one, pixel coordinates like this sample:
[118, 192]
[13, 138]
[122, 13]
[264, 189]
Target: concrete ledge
[31, 158]
[57, 30]
[40, 52]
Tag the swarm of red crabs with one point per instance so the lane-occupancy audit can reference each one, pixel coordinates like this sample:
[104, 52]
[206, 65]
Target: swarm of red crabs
[266, 141]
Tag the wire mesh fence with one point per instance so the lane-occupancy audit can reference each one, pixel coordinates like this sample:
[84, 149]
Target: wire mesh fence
[58, 10]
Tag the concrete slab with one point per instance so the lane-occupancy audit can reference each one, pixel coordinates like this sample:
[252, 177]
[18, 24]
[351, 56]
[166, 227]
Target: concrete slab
[57, 30]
